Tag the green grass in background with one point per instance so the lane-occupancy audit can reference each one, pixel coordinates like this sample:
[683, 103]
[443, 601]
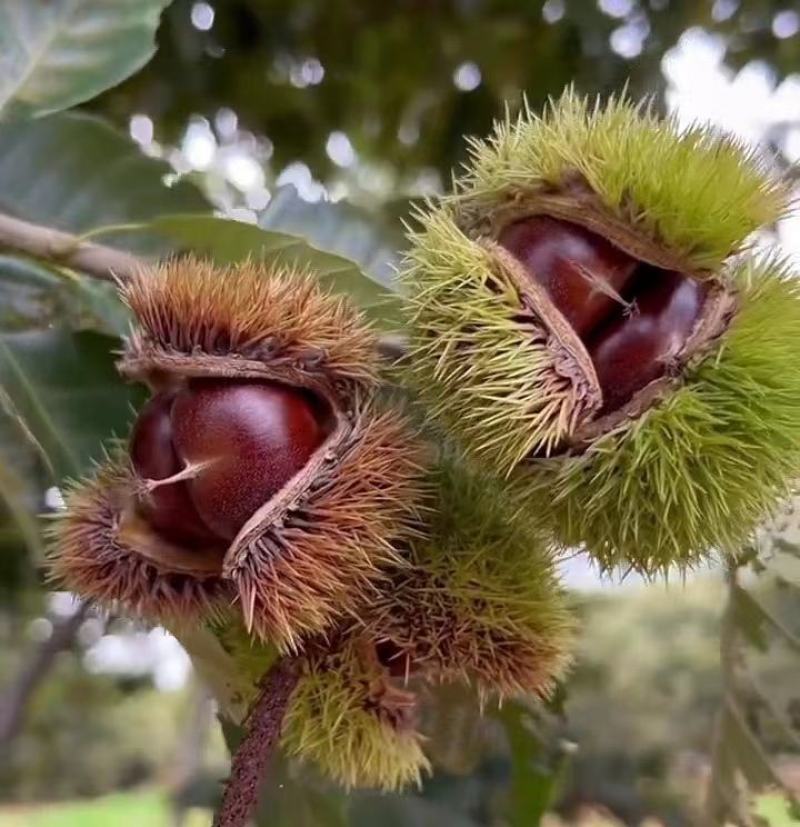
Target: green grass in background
[143, 809]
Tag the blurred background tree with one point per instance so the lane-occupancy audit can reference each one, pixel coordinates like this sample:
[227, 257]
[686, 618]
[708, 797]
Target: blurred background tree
[317, 122]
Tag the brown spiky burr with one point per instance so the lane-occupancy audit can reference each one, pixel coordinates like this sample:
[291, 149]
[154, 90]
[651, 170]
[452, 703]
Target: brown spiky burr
[262, 452]
[107, 554]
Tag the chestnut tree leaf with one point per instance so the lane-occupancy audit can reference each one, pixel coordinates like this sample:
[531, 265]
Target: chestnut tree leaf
[38, 296]
[76, 173]
[741, 764]
[34, 299]
[228, 241]
[62, 390]
[370, 240]
[20, 504]
[60, 399]
[57, 53]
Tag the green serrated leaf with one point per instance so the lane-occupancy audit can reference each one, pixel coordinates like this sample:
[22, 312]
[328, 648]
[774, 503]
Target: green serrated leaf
[754, 619]
[76, 173]
[57, 53]
[780, 719]
[745, 750]
[749, 618]
[785, 566]
[226, 241]
[786, 546]
[338, 228]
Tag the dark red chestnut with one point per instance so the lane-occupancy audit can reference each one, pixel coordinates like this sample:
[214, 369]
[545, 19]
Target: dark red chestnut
[250, 438]
[168, 508]
[635, 348]
[583, 273]
[236, 444]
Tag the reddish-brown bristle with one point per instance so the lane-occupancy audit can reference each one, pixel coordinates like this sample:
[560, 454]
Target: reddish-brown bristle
[248, 309]
[323, 557]
[446, 640]
[89, 557]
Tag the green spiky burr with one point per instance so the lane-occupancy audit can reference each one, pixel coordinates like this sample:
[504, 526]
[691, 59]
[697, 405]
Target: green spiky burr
[588, 319]
[352, 722]
[702, 468]
[480, 602]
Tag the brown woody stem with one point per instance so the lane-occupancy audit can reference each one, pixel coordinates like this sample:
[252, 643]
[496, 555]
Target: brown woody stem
[104, 263]
[95, 260]
[253, 754]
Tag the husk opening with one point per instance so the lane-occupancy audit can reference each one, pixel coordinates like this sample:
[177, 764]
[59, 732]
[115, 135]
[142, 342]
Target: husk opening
[570, 358]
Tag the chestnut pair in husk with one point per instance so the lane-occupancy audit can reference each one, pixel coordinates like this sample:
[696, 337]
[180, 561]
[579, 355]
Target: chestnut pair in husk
[261, 479]
[212, 451]
[633, 319]
[589, 322]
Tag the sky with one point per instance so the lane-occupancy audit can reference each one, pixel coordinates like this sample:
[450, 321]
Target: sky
[749, 104]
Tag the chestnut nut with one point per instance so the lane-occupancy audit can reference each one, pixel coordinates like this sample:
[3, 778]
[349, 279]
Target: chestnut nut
[633, 318]
[213, 451]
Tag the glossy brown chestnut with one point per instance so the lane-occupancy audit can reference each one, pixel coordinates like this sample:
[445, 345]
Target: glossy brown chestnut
[241, 443]
[251, 438]
[573, 265]
[635, 348]
[168, 508]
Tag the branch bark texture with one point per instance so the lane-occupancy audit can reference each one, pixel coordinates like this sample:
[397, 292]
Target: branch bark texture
[96, 260]
[264, 729]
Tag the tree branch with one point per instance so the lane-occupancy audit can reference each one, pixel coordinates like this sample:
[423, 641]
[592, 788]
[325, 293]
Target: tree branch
[264, 729]
[106, 263]
[14, 700]
[95, 260]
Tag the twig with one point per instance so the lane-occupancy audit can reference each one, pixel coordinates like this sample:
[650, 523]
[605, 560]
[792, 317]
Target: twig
[14, 701]
[264, 729]
[105, 263]
[96, 260]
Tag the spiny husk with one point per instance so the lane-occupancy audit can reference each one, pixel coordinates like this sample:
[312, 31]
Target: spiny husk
[190, 308]
[714, 457]
[481, 601]
[695, 191]
[490, 361]
[319, 554]
[481, 360]
[314, 552]
[89, 556]
[348, 720]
